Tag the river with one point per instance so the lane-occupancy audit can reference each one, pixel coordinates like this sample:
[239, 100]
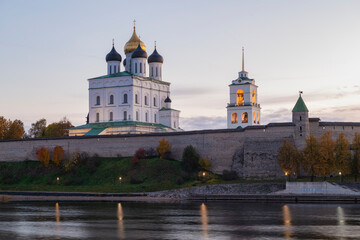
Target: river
[188, 220]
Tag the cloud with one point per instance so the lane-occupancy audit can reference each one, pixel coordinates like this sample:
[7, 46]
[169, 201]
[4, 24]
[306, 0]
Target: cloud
[191, 91]
[203, 122]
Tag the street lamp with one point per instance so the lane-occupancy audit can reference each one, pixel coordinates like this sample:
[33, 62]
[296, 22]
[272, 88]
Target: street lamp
[120, 180]
[57, 180]
[341, 180]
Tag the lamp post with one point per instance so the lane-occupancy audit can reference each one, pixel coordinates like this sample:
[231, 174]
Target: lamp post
[57, 180]
[120, 180]
[341, 180]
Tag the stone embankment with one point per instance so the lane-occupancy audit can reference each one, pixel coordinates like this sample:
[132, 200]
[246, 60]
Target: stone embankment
[221, 189]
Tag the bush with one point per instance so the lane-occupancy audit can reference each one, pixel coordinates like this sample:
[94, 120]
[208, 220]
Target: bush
[43, 155]
[140, 153]
[58, 154]
[134, 160]
[205, 164]
[229, 175]
[151, 153]
[190, 159]
[163, 147]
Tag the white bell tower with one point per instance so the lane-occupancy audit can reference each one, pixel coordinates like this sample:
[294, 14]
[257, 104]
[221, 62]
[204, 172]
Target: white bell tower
[243, 109]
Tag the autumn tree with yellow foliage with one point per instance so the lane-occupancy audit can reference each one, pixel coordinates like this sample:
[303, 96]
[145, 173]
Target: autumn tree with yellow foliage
[163, 147]
[355, 163]
[58, 155]
[289, 158]
[311, 156]
[205, 164]
[43, 155]
[325, 165]
[342, 155]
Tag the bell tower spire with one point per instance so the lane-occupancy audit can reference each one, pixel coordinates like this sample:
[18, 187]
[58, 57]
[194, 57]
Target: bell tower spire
[243, 60]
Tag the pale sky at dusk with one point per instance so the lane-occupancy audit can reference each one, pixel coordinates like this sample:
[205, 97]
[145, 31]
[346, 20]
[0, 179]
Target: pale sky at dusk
[48, 50]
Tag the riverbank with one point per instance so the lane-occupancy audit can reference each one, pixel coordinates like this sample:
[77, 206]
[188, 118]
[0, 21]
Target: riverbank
[243, 192]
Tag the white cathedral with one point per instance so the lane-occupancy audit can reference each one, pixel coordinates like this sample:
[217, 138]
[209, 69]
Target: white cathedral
[130, 101]
[243, 109]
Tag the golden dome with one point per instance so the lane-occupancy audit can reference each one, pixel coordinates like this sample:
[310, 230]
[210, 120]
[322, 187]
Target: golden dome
[133, 43]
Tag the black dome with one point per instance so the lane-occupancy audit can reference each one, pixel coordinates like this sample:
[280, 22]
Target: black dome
[124, 62]
[139, 53]
[167, 100]
[113, 55]
[155, 57]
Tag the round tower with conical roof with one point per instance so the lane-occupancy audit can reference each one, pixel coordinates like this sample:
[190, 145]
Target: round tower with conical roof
[300, 117]
[113, 59]
[155, 61]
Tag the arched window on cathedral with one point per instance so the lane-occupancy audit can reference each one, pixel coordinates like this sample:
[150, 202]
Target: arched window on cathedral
[254, 117]
[125, 115]
[146, 100]
[258, 118]
[111, 116]
[97, 117]
[154, 101]
[239, 97]
[97, 100]
[125, 98]
[111, 100]
[156, 74]
[144, 68]
[253, 97]
[146, 117]
[300, 118]
[135, 67]
[244, 117]
[155, 117]
[234, 118]
[110, 68]
[136, 99]
[137, 116]
[140, 66]
[152, 71]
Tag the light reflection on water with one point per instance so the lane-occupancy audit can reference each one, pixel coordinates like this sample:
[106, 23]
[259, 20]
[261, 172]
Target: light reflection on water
[187, 220]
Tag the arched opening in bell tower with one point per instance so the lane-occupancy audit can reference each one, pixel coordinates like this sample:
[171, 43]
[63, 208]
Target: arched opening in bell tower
[244, 117]
[253, 97]
[234, 118]
[239, 97]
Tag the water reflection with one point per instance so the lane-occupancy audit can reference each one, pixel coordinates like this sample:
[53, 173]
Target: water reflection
[287, 222]
[120, 215]
[57, 213]
[204, 220]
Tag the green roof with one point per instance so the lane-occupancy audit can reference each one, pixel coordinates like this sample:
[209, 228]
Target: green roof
[103, 125]
[300, 106]
[119, 74]
[94, 131]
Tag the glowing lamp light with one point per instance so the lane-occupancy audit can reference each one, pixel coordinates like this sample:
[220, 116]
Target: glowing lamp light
[340, 173]
[203, 174]
[286, 173]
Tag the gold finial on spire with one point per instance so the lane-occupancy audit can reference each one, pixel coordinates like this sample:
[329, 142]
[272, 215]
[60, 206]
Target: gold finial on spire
[134, 23]
[243, 61]
[300, 92]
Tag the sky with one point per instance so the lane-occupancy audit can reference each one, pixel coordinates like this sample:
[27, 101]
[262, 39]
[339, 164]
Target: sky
[48, 50]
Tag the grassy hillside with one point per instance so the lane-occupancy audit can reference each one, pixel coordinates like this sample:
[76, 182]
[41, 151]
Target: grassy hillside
[97, 175]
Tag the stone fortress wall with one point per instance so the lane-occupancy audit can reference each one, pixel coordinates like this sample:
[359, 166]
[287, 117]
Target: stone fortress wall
[251, 152]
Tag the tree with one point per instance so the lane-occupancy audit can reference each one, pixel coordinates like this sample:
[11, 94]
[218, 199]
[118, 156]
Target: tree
[16, 130]
[342, 154]
[355, 166]
[289, 158]
[311, 155]
[58, 154]
[326, 162]
[58, 129]
[43, 155]
[190, 159]
[163, 147]
[205, 164]
[38, 128]
[4, 126]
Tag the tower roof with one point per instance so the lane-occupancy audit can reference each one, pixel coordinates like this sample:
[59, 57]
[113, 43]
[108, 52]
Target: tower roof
[300, 106]
[155, 57]
[132, 44]
[167, 100]
[139, 52]
[113, 55]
